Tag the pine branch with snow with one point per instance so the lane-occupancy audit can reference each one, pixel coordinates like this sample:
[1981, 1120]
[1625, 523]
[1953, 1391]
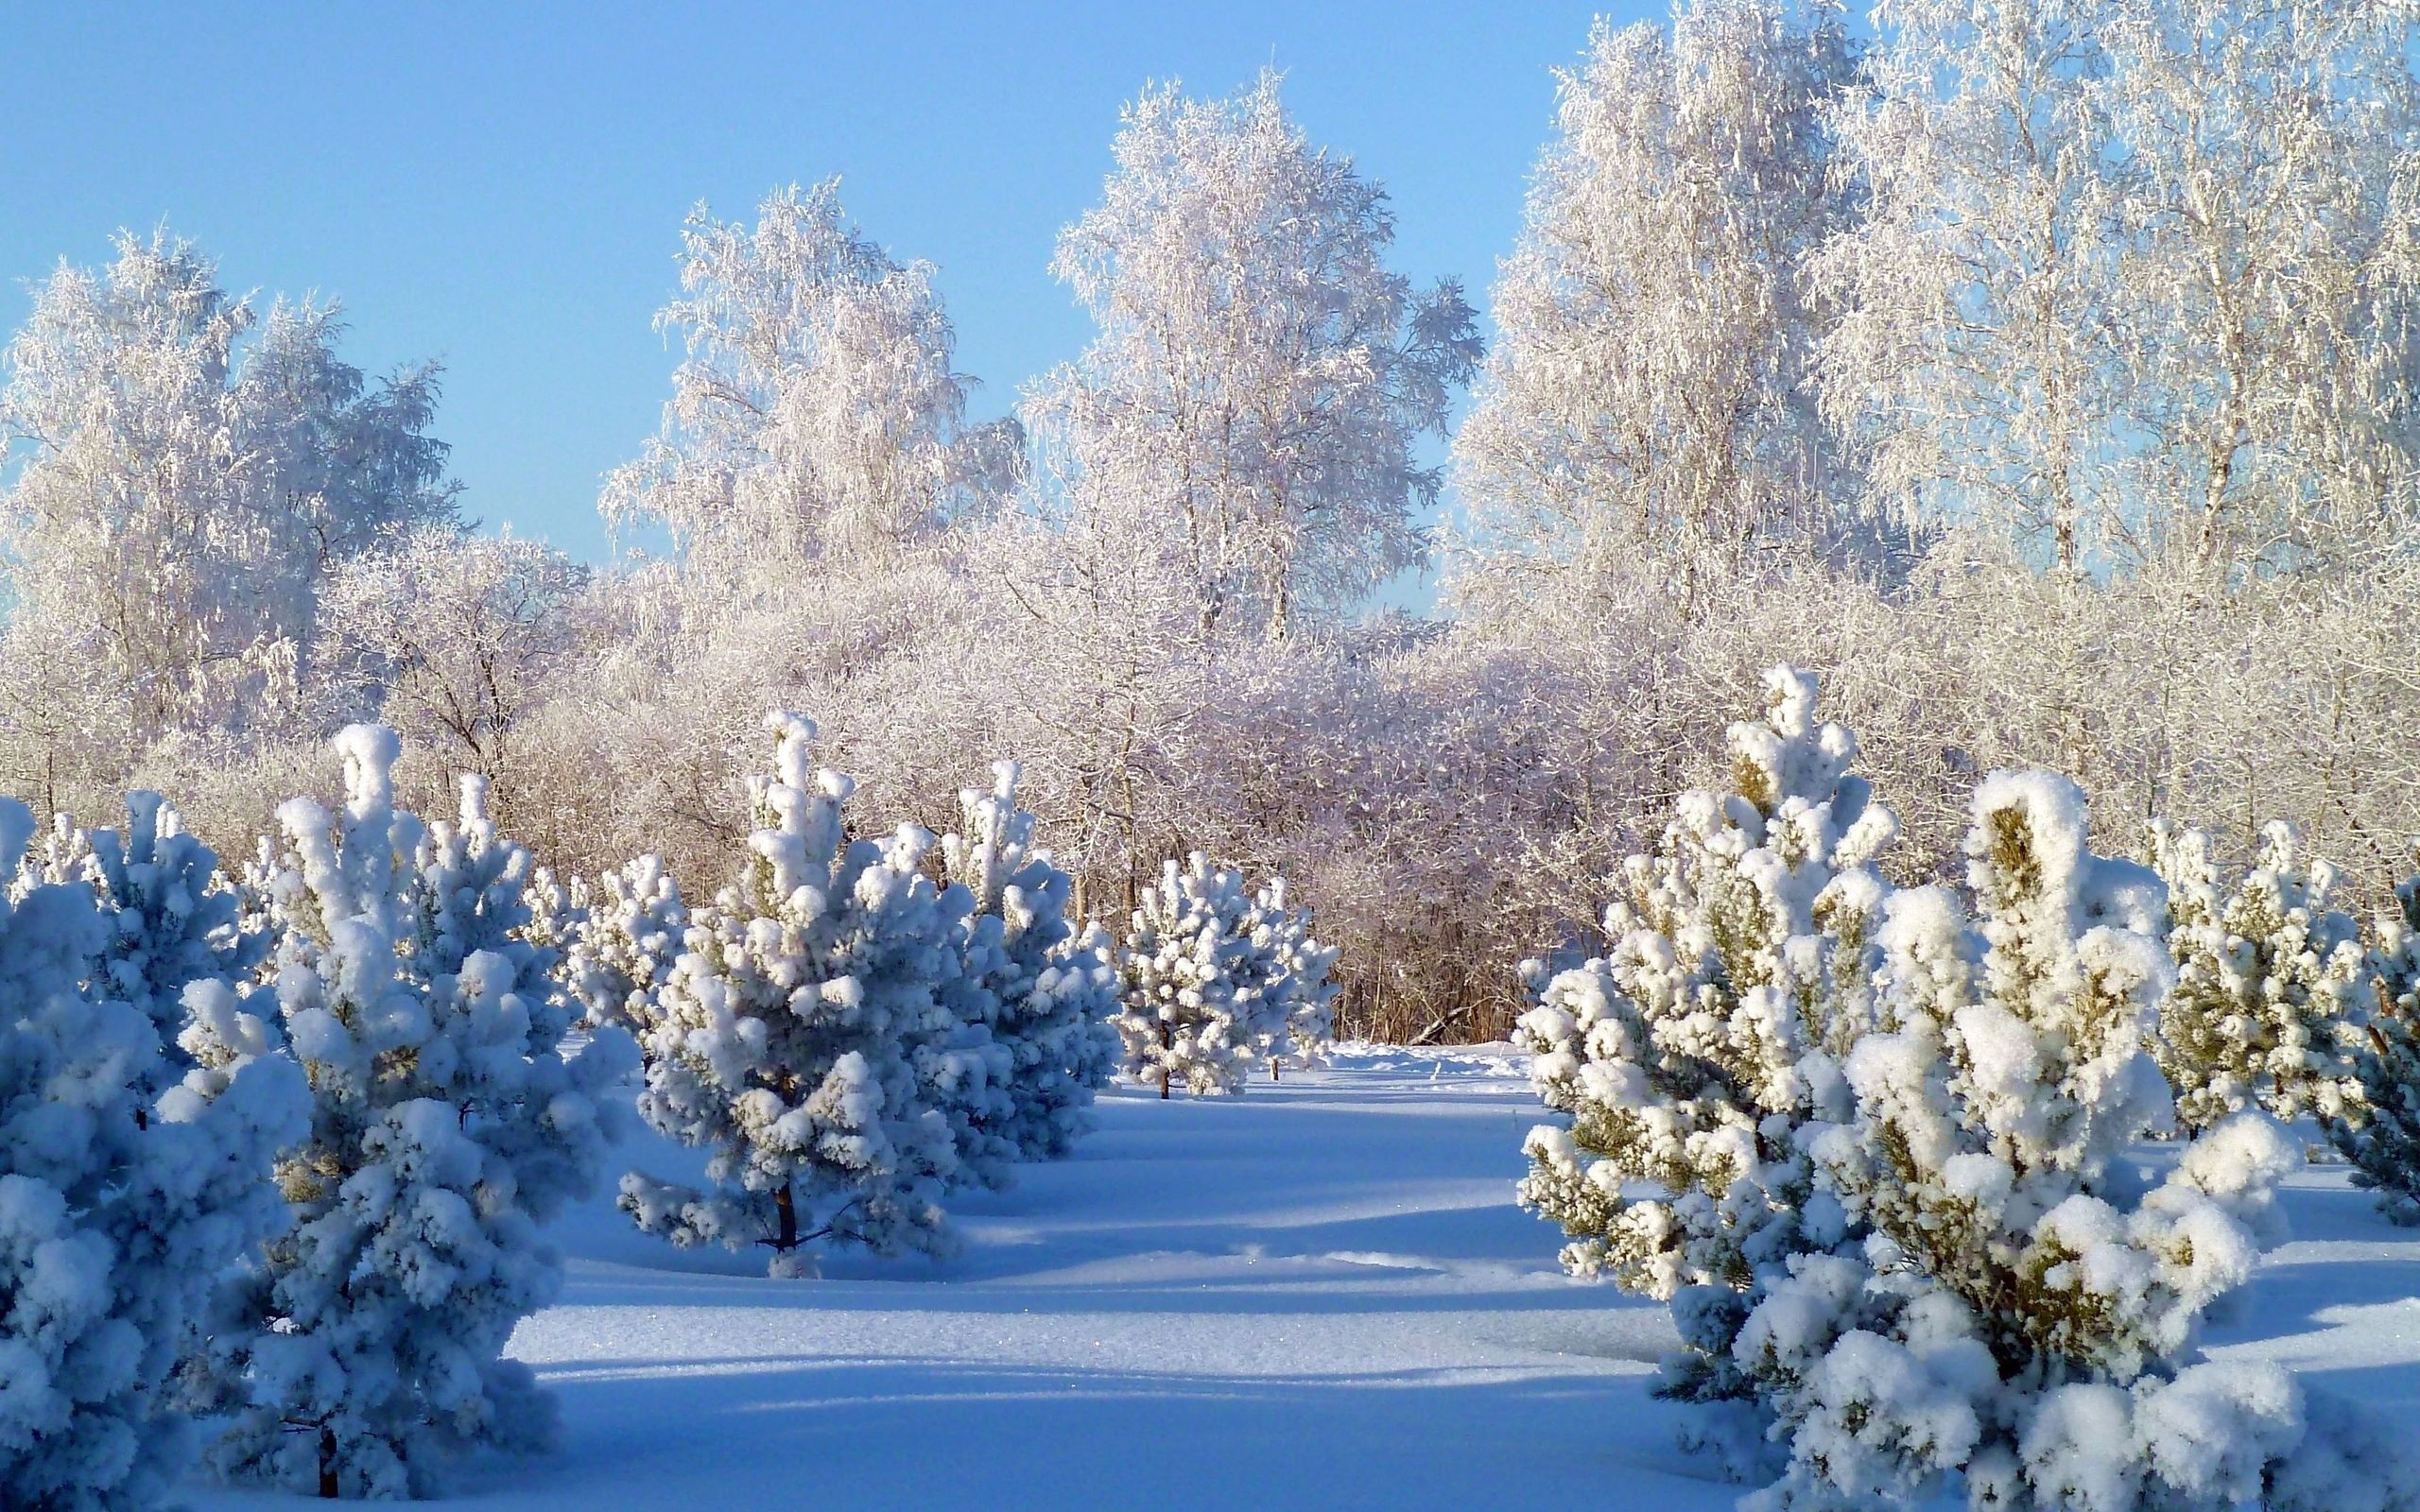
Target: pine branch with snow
[631, 929]
[2381, 1135]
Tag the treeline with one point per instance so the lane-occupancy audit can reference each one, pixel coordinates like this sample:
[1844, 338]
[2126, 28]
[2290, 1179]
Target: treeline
[2044, 373]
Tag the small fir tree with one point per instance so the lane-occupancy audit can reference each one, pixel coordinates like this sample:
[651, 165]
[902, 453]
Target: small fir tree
[2381, 1136]
[116, 1209]
[1047, 995]
[1690, 1055]
[446, 1124]
[794, 1039]
[2021, 1313]
[632, 928]
[2268, 981]
[1191, 998]
[1297, 993]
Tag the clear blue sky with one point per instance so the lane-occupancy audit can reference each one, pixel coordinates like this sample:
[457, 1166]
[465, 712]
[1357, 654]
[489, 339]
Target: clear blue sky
[500, 187]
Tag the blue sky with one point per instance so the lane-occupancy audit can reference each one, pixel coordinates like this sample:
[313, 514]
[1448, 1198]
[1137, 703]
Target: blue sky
[500, 187]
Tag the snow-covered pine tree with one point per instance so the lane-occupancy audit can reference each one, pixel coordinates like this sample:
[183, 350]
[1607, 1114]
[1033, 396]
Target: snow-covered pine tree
[2022, 1311]
[1688, 1057]
[787, 1040]
[2381, 1136]
[2269, 979]
[1191, 1004]
[446, 1124]
[1048, 995]
[631, 930]
[117, 1211]
[1297, 996]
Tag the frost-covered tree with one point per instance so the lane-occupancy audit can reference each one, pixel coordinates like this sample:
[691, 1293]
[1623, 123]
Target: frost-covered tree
[1187, 977]
[1249, 410]
[2381, 1136]
[798, 1039]
[1975, 353]
[1691, 1055]
[452, 640]
[1046, 993]
[189, 471]
[1648, 386]
[366, 1347]
[2021, 1313]
[124, 1190]
[813, 414]
[2269, 981]
[632, 929]
[2266, 190]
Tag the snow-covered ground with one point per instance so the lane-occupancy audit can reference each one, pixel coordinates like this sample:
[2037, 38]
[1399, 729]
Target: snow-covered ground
[1315, 1296]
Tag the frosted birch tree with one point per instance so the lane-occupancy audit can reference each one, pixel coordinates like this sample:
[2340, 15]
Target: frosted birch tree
[191, 468]
[1250, 403]
[1647, 387]
[813, 414]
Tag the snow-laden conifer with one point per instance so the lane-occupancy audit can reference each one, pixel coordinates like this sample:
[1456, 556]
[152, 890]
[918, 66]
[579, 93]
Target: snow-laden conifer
[2269, 977]
[117, 1211]
[2381, 1134]
[1190, 1009]
[631, 930]
[1046, 994]
[446, 1124]
[1689, 1056]
[2021, 1313]
[796, 1038]
[1297, 995]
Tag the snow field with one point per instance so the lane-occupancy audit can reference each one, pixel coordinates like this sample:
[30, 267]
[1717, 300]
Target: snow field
[1318, 1295]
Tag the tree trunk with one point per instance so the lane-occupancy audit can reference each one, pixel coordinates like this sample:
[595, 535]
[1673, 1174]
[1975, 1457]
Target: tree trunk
[327, 1462]
[1167, 1041]
[786, 1211]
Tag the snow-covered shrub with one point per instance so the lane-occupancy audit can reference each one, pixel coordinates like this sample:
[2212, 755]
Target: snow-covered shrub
[1689, 1057]
[117, 1211]
[1045, 994]
[630, 932]
[1297, 993]
[2022, 1311]
[2381, 1136]
[1191, 1009]
[795, 1038]
[2268, 978]
[446, 1124]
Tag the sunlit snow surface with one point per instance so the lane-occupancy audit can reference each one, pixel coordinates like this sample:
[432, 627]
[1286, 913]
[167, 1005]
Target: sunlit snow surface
[1315, 1295]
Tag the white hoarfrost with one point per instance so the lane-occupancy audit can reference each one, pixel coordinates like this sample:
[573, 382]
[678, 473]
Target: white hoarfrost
[117, 1211]
[809, 1037]
[447, 1122]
